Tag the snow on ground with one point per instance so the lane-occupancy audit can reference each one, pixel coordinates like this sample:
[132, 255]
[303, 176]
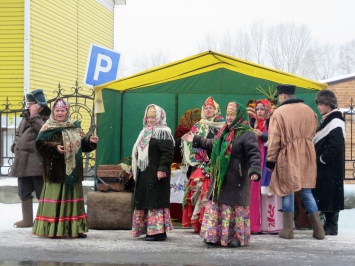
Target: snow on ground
[12, 181]
[11, 213]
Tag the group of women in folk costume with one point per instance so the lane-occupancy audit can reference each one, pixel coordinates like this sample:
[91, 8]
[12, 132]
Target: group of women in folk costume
[236, 153]
[195, 201]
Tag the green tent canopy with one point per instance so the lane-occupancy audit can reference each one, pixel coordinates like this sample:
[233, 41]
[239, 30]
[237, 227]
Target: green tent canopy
[178, 87]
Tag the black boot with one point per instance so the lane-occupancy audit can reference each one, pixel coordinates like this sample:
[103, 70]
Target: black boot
[157, 237]
[331, 223]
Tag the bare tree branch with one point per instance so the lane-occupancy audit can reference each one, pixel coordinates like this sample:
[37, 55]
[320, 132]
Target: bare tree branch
[347, 58]
[148, 61]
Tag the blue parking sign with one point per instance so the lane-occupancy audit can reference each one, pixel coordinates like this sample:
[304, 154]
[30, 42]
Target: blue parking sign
[102, 66]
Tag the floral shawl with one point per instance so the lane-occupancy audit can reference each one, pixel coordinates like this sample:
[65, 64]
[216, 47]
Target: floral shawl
[140, 150]
[192, 156]
[72, 135]
[222, 146]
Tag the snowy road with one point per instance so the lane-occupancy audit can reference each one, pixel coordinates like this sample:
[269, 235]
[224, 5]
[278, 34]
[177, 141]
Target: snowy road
[183, 247]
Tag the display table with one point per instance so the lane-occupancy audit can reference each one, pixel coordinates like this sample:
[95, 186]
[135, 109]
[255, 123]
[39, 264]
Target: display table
[178, 183]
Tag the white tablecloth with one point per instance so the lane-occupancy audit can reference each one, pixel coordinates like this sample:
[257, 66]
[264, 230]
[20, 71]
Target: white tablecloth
[178, 183]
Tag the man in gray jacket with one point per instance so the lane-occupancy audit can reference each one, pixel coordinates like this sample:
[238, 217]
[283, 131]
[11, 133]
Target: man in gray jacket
[27, 166]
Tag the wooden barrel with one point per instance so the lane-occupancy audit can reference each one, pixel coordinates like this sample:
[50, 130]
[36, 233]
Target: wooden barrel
[111, 210]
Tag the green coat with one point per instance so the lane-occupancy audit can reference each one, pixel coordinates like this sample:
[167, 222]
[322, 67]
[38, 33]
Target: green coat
[149, 192]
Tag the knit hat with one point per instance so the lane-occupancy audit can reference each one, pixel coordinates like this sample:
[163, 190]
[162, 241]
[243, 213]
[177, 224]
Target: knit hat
[232, 108]
[36, 96]
[327, 97]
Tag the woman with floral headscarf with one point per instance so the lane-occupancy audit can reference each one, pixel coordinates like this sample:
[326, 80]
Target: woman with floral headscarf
[152, 156]
[264, 214]
[195, 201]
[59, 145]
[235, 162]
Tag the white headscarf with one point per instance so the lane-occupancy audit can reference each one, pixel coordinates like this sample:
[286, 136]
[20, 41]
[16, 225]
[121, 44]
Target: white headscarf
[141, 147]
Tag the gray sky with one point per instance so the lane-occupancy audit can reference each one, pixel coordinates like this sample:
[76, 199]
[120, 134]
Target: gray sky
[175, 26]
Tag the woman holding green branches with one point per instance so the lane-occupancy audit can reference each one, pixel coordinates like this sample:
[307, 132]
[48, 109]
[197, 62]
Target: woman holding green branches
[236, 160]
[59, 145]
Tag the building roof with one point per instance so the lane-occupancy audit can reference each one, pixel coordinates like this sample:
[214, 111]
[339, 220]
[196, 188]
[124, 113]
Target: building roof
[339, 79]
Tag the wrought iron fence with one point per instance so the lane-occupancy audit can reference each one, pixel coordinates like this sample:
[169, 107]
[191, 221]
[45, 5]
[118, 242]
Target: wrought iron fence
[349, 117]
[80, 104]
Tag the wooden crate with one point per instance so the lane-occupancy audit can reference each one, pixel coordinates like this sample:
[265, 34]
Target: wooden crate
[110, 174]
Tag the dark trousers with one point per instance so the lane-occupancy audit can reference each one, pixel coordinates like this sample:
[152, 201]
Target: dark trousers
[28, 184]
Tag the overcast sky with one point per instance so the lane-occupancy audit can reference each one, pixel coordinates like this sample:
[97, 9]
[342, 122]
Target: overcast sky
[175, 26]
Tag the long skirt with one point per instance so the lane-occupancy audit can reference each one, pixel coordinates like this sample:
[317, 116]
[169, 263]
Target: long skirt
[60, 213]
[151, 222]
[193, 214]
[223, 223]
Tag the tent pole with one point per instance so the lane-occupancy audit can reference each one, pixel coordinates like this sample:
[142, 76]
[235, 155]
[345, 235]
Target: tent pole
[121, 129]
[176, 110]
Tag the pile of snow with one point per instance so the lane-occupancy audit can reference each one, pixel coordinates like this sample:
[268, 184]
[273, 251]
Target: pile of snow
[12, 181]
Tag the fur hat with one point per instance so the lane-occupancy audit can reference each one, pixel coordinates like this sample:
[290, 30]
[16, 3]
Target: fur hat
[36, 96]
[285, 88]
[327, 97]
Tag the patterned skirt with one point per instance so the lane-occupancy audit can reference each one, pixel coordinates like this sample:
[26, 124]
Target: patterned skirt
[223, 223]
[151, 222]
[60, 213]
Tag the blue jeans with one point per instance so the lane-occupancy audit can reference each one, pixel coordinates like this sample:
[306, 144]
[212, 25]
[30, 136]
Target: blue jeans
[308, 200]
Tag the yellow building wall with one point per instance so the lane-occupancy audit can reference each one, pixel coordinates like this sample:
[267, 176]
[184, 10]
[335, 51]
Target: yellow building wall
[61, 34]
[11, 52]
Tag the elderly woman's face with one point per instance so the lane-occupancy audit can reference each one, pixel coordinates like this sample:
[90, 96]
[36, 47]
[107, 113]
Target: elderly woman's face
[60, 114]
[150, 120]
[230, 118]
[208, 111]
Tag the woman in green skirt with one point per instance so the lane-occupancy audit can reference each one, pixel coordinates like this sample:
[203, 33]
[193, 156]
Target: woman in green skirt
[59, 146]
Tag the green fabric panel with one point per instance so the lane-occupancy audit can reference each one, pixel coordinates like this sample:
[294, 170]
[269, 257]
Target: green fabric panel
[109, 124]
[209, 82]
[240, 84]
[134, 106]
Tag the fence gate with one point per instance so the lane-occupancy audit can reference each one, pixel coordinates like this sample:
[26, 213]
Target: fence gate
[349, 117]
[81, 107]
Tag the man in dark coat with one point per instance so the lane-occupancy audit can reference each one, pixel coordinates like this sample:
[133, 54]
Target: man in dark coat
[27, 166]
[329, 143]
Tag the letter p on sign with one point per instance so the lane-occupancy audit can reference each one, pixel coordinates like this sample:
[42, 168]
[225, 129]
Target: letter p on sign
[102, 66]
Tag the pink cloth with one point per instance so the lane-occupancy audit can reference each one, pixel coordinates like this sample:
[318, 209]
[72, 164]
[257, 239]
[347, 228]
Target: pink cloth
[264, 214]
[255, 196]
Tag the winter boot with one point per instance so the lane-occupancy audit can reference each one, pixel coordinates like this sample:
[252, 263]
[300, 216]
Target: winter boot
[331, 226]
[318, 231]
[287, 231]
[27, 214]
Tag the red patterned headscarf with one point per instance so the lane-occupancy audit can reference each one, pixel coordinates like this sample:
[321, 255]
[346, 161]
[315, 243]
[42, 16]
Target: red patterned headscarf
[260, 122]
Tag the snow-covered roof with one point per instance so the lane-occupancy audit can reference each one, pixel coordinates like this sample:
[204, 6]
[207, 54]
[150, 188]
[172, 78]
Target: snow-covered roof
[338, 79]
